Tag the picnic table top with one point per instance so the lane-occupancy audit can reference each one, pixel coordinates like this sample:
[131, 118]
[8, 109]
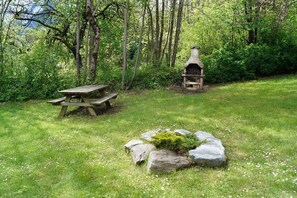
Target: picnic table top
[83, 89]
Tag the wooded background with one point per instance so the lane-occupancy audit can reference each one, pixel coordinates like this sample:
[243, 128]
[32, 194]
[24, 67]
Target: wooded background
[48, 45]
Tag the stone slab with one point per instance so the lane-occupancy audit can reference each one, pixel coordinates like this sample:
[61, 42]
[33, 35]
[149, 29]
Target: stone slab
[165, 161]
[132, 143]
[147, 136]
[210, 154]
[140, 152]
[182, 132]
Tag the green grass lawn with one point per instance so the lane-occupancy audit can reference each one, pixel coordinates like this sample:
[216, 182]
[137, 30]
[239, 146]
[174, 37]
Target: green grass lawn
[42, 155]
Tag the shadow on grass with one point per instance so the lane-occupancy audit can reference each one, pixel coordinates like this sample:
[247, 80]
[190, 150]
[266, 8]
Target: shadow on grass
[101, 110]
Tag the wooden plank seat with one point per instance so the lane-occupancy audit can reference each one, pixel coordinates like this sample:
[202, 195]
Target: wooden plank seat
[104, 99]
[57, 101]
[192, 83]
[77, 104]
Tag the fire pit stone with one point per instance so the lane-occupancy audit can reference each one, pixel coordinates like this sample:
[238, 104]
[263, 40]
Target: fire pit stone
[210, 154]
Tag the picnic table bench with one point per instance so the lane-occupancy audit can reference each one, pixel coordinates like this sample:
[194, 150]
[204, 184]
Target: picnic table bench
[56, 101]
[89, 96]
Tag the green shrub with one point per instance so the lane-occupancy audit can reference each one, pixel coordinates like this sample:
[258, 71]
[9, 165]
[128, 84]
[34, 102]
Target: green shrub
[288, 59]
[147, 77]
[231, 63]
[36, 74]
[154, 77]
[190, 142]
[260, 59]
[226, 65]
[173, 142]
[110, 76]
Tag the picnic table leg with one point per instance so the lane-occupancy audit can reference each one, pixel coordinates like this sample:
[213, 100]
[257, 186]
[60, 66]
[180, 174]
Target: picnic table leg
[90, 109]
[107, 104]
[64, 108]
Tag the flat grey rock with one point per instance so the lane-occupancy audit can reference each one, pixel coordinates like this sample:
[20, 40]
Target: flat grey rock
[165, 161]
[140, 152]
[201, 135]
[147, 136]
[132, 143]
[210, 154]
[182, 132]
[215, 143]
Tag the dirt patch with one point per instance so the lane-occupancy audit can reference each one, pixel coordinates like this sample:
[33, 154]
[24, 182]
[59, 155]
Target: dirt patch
[182, 90]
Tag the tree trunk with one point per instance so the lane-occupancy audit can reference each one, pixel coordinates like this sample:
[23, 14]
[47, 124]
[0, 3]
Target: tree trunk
[95, 27]
[156, 47]
[161, 32]
[151, 27]
[87, 53]
[171, 31]
[147, 47]
[125, 45]
[93, 65]
[251, 19]
[177, 32]
[139, 46]
[1, 54]
[91, 47]
[165, 47]
[3, 11]
[188, 11]
[78, 43]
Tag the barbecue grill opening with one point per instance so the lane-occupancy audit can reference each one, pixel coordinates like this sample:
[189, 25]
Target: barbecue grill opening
[193, 71]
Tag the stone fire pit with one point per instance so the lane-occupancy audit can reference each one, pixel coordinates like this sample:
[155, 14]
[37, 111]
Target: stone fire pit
[209, 154]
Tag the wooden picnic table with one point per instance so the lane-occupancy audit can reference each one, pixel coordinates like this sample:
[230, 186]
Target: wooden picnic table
[88, 96]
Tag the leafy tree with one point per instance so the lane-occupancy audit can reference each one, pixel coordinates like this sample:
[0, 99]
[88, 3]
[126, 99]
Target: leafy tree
[5, 28]
[62, 26]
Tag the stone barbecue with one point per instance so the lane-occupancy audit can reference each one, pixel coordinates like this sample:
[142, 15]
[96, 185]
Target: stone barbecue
[193, 71]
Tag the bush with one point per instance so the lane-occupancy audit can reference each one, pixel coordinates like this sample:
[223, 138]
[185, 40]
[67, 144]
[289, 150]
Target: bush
[190, 142]
[35, 75]
[173, 142]
[261, 60]
[225, 65]
[249, 62]
[288, 59]
[154, 77]
[110, 76]
[146, 78]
